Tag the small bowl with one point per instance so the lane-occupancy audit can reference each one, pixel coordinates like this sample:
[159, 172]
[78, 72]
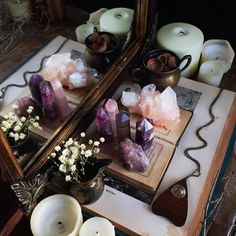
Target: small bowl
[101, 50]
[162, 68]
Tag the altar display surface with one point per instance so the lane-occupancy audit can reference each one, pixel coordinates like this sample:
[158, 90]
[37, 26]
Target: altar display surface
[74, 97]
[134, 216]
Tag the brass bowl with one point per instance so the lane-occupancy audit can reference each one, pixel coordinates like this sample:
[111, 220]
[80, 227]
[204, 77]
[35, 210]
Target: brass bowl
[156, 69]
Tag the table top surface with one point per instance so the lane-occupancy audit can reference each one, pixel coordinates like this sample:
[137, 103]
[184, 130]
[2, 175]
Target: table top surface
[146, 222]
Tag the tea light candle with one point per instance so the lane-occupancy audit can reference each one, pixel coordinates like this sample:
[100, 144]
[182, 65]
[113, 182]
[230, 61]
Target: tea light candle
[211, 72]
[97, 226]
[220, 50]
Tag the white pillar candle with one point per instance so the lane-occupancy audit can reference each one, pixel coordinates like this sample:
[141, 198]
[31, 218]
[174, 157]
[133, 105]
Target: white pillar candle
[118, 21]
[211, 72]
[19, 9]
[218, 49]
[97, 226]
[56, 215]
[183, 39]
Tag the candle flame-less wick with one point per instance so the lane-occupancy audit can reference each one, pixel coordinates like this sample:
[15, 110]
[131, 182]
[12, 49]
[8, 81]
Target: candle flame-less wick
[97, 233]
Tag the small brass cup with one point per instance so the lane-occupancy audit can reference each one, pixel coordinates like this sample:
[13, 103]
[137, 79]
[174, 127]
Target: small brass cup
[154, 69]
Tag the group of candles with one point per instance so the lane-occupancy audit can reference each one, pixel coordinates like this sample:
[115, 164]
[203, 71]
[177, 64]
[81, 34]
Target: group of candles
[215, 56]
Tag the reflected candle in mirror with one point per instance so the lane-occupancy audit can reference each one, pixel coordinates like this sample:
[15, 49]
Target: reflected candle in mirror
[211, 72]
[97, 226]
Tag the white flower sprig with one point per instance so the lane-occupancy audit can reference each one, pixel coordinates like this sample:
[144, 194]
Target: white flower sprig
[73, 155]
[15, 128]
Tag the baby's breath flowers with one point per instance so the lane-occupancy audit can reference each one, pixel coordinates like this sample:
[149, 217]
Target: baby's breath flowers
[17, 128]
[73, 156]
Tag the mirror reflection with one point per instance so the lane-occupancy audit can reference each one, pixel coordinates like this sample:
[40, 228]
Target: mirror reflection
[52, 83]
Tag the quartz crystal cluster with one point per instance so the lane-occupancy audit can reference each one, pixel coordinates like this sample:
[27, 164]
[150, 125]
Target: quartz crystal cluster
[116, 124]
[70, 69]
[161, 108]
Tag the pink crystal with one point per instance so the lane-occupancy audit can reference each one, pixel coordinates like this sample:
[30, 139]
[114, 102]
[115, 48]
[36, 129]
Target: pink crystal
[112, 109]
[61, 100]
[103, 123]
[133, 156]
[162, 108]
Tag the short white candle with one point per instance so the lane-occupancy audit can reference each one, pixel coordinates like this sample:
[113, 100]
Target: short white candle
[97, 226]
[211, 72]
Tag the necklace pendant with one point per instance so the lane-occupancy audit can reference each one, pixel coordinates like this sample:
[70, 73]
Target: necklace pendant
[173, 203]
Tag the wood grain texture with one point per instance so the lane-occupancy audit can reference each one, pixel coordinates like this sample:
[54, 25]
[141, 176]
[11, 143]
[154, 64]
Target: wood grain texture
[173, 208]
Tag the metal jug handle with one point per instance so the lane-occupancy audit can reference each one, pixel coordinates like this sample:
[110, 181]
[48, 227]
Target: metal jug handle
[188, 58]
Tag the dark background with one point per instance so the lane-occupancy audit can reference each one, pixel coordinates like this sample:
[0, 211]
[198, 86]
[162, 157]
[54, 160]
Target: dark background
[216, 19]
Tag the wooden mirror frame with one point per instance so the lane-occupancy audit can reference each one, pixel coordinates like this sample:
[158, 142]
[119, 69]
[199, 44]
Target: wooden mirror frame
[69, 126]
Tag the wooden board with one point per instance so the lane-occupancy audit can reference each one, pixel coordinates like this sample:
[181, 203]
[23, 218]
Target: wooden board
[159, 154]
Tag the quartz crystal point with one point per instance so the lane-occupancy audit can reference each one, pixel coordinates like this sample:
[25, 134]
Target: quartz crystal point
[112, 109]
[48, 101]
[103, 123]
[61, 101]
[34, 86]
[162, 108]
[133, 156]
[144, 133]
[123, 125]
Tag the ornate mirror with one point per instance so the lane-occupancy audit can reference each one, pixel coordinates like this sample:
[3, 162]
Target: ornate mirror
[88, 101]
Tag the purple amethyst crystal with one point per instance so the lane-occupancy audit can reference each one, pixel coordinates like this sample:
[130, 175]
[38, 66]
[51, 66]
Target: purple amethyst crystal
[23, 104]
[103, 123]
[133, 156]
[34, 86]
[48, 101]
[144, 133]
[123, 125]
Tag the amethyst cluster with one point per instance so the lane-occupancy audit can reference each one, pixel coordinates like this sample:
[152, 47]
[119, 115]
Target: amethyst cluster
[110, 122]
[46, 99]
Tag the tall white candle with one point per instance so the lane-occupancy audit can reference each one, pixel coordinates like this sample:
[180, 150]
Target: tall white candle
[97, 226]
[183, 39]
[211, 72]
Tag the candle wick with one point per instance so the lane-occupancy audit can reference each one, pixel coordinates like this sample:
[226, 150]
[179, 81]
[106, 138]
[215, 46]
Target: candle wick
[97, 233]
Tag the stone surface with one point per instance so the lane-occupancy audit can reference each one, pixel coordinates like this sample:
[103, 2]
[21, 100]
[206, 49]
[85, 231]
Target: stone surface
[103, 123]
[144, 133]
[133, 157]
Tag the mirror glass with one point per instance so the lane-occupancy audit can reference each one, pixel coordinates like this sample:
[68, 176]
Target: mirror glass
[57, 125]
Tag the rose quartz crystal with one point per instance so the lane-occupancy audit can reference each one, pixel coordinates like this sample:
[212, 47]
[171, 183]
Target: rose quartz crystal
[162, 108]
[111, 107]
[133, 157]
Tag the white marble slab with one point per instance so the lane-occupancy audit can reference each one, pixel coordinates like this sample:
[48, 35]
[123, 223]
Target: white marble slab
[136, 215]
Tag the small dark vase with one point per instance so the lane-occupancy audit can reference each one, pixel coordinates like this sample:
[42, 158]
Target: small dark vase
[26, 146]
[91, 187]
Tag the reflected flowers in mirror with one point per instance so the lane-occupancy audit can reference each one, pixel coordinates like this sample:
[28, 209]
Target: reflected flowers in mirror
[16, 128]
